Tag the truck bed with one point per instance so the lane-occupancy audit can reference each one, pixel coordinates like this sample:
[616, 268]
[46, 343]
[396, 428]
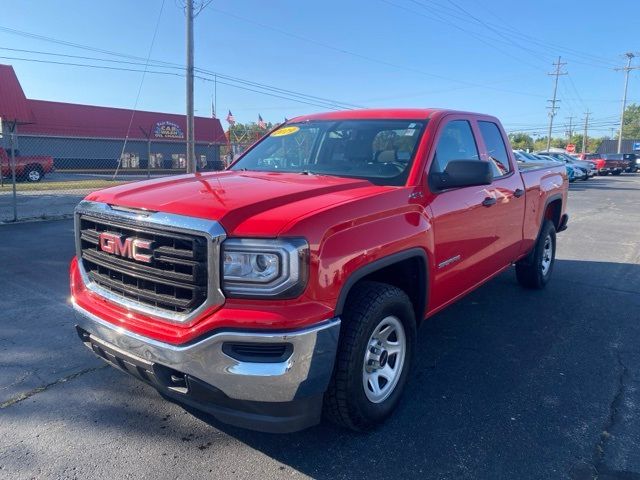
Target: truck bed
[543, 185]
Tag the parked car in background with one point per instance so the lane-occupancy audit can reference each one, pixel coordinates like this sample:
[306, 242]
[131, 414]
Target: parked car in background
[587, 165]
[579, 172]
[31, 169]
[634, 163]
[571, 174]
[614, 163]
[531, 160]
[528, 158]
[595, 158]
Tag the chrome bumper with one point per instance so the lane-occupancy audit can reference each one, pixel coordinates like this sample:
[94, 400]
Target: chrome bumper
[305, 373]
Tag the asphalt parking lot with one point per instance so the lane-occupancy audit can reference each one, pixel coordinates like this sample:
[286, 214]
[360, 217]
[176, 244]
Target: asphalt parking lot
[508, 383]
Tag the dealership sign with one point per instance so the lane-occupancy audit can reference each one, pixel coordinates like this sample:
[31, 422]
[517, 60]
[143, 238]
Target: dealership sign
[168, 130]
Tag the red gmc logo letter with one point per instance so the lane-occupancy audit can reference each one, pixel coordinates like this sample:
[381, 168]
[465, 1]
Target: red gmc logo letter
[125, 246]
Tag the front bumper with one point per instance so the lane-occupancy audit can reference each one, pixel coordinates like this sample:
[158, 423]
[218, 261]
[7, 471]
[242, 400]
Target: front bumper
[279, 394]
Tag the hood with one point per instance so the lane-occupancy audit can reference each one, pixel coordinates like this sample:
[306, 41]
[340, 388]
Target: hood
[234, 197]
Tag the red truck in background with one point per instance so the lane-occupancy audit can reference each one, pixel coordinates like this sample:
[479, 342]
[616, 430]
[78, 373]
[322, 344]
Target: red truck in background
[292, 284]
[30, 169]
[612, 163]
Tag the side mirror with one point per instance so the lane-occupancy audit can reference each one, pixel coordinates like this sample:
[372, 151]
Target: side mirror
[462, 173]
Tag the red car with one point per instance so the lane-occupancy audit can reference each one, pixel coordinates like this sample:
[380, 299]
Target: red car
[31, 169]
[293, 283]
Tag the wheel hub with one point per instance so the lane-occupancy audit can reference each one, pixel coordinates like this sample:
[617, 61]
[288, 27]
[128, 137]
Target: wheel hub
[384, 359]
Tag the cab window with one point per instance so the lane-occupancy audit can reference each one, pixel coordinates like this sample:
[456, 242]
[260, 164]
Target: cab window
[496, 149]
[455, 143]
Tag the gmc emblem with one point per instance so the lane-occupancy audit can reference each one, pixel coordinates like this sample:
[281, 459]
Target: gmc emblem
[127, 247]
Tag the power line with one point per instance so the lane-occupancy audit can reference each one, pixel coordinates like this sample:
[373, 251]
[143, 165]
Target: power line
[144, 74]
[156, 64]
[504, 27]
[180, 68]
[332, 106]
[372, 59]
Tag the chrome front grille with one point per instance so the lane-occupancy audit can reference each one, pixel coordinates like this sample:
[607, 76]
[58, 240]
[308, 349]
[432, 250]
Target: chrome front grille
[181, 276]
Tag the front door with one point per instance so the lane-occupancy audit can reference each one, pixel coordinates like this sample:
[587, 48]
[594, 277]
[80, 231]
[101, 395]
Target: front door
[463, 222]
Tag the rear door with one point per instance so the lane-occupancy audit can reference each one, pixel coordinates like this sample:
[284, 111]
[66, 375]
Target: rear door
[508, 191]
[463, 228]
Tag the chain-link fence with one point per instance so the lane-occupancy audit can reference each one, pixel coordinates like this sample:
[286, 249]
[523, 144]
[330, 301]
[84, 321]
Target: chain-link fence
[53, 172]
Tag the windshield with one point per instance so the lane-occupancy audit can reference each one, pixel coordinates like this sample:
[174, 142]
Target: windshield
[380, 151]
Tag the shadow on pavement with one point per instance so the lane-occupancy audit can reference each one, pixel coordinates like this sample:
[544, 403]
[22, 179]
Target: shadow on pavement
[508, 383]
[623, 182]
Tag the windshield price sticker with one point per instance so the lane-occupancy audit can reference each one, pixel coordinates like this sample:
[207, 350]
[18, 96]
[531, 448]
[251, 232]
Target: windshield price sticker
[285, 131]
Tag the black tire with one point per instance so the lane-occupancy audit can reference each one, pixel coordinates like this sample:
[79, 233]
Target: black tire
[33, 173]
[530, 272]
[603, 174]
[617, 172]
[346, 403]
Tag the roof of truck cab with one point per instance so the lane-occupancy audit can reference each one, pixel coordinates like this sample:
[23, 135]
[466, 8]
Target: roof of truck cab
[381, 113]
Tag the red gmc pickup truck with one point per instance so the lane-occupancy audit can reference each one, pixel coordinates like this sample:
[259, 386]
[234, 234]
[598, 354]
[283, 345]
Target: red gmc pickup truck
[31, 169]
[291, 284]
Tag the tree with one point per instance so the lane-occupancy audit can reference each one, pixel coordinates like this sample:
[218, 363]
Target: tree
[592, 143]
[247, 133]
[521, 141]
[631, 126]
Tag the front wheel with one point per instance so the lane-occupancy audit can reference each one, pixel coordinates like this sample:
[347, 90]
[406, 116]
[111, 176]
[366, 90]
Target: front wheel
[535, 271]
[375, 350]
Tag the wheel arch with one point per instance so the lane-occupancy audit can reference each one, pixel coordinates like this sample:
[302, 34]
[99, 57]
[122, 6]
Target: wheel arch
[552, 211]
[407, 270]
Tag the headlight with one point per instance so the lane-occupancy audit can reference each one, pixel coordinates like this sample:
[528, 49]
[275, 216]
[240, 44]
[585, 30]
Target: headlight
[274, 268]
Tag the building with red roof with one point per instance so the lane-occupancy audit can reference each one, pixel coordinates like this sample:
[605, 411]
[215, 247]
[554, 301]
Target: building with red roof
[89, 137]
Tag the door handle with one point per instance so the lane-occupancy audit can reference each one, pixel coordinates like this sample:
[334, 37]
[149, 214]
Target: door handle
[489, 201]
[518, 193]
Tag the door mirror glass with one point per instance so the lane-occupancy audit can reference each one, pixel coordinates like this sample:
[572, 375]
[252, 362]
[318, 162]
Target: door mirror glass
[462, 173]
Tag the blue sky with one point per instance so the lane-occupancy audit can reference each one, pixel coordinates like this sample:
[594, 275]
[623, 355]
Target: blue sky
[492, 57]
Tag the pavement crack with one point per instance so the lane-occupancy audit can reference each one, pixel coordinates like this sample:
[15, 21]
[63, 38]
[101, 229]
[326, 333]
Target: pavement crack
[26, 395]
[612, 419]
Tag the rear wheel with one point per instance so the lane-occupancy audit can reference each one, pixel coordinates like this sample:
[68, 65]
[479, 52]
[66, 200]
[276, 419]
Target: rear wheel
[33, 173]
[535, 271]
[376, 346]
[617, 172]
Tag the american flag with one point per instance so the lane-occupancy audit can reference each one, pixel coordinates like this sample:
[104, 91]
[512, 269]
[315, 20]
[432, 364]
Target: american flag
[231, 119]
[261, 123]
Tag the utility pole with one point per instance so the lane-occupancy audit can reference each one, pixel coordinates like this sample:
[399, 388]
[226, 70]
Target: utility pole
[191, 156]
[586, 127]
[626, 70]
[553, 108]
[570, 133]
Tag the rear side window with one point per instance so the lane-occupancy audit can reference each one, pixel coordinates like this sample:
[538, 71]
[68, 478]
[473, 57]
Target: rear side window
[456, 143]
[496, 148]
